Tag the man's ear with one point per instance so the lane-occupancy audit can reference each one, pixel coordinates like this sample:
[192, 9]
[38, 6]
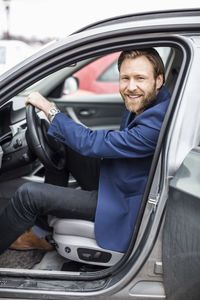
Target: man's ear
[159, 81]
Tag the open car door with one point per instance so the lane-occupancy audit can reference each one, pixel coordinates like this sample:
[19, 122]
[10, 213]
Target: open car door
[181, 238]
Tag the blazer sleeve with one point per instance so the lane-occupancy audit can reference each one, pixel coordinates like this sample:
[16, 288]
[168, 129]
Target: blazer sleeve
[137, 141]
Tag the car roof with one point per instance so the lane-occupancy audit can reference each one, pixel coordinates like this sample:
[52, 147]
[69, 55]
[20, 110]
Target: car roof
[142, 16]
[182, 20]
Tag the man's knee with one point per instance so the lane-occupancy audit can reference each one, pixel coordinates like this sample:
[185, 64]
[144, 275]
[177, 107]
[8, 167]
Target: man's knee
[24, 190]
[25, 198]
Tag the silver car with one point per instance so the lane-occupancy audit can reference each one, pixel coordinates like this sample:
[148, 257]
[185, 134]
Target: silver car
[163, 258]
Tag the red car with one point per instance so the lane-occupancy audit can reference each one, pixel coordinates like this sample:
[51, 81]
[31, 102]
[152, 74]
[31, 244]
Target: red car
[99, 77]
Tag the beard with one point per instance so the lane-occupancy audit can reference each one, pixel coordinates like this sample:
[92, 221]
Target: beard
[145, 101]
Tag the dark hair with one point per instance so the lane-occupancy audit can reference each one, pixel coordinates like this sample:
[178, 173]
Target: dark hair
[151, 54]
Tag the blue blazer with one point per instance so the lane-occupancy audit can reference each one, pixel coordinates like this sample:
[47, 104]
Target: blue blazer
[126, 157]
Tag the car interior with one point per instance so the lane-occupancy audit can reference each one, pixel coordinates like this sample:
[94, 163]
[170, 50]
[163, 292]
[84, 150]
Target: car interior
[75, 247]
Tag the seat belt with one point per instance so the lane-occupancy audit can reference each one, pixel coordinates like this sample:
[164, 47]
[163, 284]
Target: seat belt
[154, 195]
[152, 201]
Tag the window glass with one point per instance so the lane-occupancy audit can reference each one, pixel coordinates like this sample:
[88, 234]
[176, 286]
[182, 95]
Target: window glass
[100, 76]
[164, 53]
[111, 74]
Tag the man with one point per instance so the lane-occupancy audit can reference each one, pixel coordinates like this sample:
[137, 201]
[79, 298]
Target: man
[125, 156]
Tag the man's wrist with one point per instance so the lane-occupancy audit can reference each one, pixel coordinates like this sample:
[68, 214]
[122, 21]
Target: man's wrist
[52, 111]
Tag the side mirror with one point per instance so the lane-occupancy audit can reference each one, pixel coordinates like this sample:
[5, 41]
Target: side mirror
[71, 85]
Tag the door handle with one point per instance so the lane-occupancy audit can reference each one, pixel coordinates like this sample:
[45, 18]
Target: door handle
[87, 112]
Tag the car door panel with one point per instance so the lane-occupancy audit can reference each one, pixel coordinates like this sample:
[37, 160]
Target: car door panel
[96, 111]
[181, 238]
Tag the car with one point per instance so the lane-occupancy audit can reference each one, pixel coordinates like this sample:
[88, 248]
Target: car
[12, 52]
[100, 76]
[162, 260]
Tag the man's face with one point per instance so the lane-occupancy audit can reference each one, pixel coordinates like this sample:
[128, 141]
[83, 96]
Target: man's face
[138, 86]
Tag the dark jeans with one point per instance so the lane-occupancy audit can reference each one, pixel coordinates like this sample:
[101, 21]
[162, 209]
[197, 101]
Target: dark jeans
[32, 202]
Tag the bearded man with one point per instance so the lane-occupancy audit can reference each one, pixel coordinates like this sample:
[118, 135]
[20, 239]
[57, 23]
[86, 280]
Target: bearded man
[111, 166]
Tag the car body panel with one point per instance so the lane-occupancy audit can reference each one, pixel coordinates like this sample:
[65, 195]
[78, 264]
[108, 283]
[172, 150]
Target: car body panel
[181, 231]
[90, 76]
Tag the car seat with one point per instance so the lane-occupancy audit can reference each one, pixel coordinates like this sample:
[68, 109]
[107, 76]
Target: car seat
[75, 240]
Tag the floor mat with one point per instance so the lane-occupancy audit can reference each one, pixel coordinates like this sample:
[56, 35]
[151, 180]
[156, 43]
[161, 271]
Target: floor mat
[20, 259]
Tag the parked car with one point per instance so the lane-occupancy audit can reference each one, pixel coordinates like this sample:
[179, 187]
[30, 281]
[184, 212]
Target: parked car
[100, 76]
[12, 52]
[162, 259]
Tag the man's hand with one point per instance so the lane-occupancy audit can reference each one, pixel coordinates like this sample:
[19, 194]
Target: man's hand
[37, 100]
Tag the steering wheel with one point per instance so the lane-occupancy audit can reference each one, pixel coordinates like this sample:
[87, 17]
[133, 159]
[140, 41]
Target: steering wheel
[50, 152]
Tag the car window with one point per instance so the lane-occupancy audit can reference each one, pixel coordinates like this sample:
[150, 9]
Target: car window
[111, 74]
[98, 77]
[164, 53]
[95, 76]
[101, 76]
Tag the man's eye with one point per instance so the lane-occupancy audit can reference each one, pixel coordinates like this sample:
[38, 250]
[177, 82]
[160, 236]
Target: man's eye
[140, 78]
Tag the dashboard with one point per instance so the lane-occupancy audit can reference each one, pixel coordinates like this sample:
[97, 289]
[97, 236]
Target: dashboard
[16, 157]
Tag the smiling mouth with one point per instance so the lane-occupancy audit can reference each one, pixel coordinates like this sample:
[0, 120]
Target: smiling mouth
[133, 97]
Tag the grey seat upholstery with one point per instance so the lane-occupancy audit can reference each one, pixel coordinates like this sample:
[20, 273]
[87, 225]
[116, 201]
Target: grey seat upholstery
[75, 240]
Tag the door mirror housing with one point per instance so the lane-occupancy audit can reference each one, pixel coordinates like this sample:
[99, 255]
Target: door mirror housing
[71, 85]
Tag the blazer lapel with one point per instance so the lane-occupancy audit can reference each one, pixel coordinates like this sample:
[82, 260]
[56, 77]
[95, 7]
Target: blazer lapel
[125, 119]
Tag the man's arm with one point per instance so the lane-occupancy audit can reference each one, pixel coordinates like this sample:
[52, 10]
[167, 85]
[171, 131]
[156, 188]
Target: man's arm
[139, 141]
[37, 100]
